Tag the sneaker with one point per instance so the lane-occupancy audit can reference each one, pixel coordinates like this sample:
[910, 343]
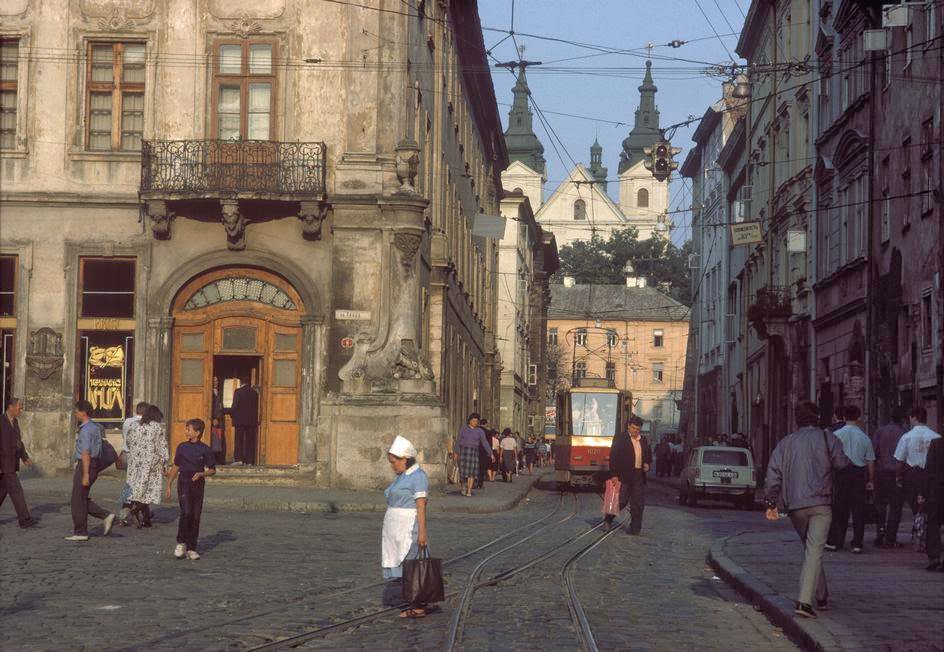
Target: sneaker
[180, 550]
[193, 555]
[831, 548]
[804, 610]
[856, 550]
[77, 537]
[108, 522]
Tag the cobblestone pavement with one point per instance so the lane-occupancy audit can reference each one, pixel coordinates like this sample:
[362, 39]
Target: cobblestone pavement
[264, 576]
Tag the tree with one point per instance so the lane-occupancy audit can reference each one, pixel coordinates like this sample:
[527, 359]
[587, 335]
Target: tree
[656, 259]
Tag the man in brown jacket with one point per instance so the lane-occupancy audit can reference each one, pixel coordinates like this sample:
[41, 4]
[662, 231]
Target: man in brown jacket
[12, 451]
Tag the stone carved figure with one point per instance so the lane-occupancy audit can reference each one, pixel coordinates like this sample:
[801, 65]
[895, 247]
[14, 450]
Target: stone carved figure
[235, 224]
[411, 363]
[161, 218]
[408, 244]
[44, 353]
[312, 216]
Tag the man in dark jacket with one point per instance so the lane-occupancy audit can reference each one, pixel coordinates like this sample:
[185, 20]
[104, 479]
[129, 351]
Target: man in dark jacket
[799, 482]
[934, 497]
[630, 459]
[245, 414]
[12, 451]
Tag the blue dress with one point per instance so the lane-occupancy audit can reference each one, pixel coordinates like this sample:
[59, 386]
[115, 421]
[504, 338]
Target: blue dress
[400, 527]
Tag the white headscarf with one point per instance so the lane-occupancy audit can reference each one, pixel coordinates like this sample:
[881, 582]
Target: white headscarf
[402, 447]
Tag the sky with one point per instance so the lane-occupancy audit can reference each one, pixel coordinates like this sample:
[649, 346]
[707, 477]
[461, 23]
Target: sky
[601, 88]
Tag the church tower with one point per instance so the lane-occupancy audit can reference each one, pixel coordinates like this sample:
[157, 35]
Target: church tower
[527, 169]
[596, 164]
[642, 199]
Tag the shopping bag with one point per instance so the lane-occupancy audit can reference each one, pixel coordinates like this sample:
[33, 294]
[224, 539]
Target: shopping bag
[423, 579]
[611, 497]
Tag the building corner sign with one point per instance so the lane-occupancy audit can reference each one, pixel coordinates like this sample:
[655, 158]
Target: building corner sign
[352, 315]
[746, 233]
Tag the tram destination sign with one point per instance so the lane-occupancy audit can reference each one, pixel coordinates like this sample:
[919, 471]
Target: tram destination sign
[352, 315]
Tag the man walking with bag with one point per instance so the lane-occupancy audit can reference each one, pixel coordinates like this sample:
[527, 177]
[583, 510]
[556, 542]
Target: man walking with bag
[88, 450]
[800, 483]
[630, 459]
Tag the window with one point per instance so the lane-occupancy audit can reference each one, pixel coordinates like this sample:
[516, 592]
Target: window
[107, 288]
[115, 97]
[656, 411]
[927, 197]
[642, 198]
[243, 89]
[9, 67]
[658, 338]
[927, 321]
[580, 370]
[7, 286]
[909, 46]
[581, 337]
[886, 216]
[580, 210]
[930, 24]
[552, 336]
[612, 338]
[658, 372]
[611, 371]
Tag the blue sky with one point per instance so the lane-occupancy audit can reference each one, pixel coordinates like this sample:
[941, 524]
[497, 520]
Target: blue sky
[604, 86]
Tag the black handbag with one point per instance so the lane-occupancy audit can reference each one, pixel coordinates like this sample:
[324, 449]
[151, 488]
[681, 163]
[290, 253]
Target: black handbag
[423, 579]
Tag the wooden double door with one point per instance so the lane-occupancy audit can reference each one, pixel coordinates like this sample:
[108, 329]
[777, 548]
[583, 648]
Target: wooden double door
[256, 345]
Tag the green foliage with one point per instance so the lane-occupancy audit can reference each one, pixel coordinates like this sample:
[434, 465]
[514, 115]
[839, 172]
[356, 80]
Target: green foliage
[656, 259]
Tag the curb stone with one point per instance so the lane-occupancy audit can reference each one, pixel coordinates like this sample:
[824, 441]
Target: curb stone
[808, 634]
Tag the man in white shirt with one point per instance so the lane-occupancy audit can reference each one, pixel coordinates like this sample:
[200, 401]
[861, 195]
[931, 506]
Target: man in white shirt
[912, 456]
[509, 455]
[852, 483]
[124, 516]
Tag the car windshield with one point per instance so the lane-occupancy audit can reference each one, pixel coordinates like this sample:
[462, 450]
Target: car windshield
[593, 413]
[724, 458]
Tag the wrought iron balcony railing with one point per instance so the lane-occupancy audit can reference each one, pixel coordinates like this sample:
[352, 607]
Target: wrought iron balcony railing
[771, 302]
[209, 168]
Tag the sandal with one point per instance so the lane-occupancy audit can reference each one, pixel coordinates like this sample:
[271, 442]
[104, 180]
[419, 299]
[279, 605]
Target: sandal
[413, 613]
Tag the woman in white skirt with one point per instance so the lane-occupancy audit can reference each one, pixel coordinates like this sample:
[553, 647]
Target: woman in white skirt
[404, 527]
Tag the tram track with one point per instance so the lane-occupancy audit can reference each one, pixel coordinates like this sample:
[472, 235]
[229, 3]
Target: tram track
[303, 637]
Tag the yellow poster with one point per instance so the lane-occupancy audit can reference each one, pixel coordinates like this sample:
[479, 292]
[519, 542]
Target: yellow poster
[746, 233]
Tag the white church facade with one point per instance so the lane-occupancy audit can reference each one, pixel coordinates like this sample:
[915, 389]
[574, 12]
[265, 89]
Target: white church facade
[580, 206]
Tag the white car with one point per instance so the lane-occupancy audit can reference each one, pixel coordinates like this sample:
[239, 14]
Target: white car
[720, 472]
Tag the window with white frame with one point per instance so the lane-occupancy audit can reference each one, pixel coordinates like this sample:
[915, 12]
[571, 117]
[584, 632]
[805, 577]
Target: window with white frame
[611, 339]
[115, 96]
[611, 370]
[658, 372]
[580, 370]
[552, 336]
[581, 337]
[658, 338]
[9, 71]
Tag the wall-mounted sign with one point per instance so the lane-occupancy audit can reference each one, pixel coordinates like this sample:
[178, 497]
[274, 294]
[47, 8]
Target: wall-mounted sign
[347, 342]
[352, 315]
[746, 233]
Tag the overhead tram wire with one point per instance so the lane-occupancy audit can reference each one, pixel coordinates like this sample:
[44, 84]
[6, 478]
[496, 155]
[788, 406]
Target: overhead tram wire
[723, 17]
[708, 20]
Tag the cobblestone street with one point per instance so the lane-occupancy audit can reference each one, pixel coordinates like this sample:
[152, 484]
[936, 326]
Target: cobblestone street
[265, 576]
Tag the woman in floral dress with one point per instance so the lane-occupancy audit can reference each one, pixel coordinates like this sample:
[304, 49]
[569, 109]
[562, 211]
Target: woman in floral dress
[147, 459]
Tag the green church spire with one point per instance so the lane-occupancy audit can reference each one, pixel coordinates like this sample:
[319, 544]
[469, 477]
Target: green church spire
[596, 164]
[522, 144]
[646, 128]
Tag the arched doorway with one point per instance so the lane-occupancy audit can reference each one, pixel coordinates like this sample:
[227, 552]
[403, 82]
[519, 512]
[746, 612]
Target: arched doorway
[232, 323]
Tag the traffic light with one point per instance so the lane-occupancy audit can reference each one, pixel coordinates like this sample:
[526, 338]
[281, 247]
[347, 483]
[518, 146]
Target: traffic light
[659, 159]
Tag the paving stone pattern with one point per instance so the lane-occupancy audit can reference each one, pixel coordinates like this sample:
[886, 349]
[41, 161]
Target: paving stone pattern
[264, 576]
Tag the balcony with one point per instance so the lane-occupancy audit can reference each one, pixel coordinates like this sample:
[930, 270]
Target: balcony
[772, 304]
[195, 169]
[234, 182]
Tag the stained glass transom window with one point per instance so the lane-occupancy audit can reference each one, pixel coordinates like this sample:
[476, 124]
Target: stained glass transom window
[239, 288]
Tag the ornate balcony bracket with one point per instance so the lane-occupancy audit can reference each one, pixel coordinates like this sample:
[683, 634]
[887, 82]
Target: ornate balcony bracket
[235, 224]
[312, 215]
[160, 217]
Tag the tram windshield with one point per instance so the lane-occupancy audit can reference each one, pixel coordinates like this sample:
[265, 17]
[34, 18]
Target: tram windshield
[593, 414]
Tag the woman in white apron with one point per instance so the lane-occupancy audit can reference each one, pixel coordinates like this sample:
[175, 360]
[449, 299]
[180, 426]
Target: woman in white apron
[404, 527]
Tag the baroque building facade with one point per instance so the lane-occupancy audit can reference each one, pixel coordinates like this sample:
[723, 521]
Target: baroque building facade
[280, 191]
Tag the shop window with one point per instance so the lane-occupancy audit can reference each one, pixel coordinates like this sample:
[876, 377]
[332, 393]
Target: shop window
[9, 72]
[7, 286]
[115, 96]
[243, 89]
[107, 287]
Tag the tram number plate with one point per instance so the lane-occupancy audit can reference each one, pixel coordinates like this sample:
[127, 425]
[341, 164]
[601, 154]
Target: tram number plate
[725, 475]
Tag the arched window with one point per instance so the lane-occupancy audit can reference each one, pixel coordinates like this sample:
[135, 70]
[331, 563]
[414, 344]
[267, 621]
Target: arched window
[580, 210]
[642, 198]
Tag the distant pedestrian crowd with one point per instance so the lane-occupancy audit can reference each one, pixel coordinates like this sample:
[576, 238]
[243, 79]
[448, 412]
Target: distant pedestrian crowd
[480, 453]
[820, 478]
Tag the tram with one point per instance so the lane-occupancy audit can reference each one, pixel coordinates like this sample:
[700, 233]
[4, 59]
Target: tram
[589, 414]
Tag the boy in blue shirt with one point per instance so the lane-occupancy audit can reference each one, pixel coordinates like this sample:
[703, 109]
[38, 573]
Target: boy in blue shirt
[193, 461]
[88, 449]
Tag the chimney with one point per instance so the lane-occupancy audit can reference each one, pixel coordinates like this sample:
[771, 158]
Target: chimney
[568, 281]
